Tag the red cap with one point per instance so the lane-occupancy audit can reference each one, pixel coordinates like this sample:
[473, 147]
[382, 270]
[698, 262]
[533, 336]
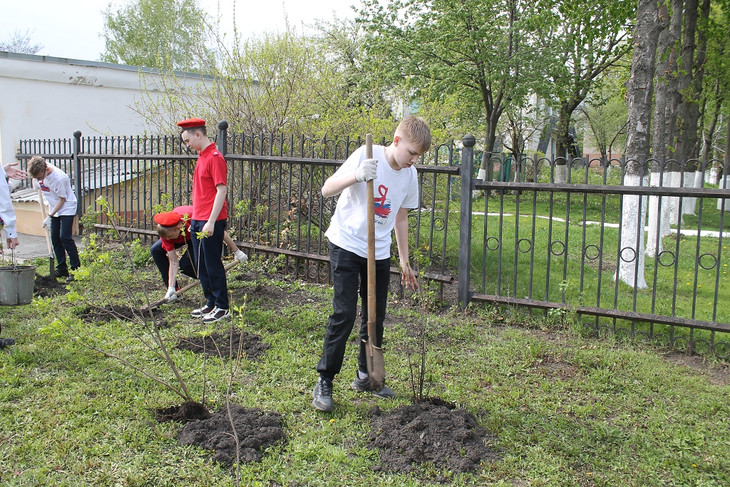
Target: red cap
[191, 123]
[168, 219]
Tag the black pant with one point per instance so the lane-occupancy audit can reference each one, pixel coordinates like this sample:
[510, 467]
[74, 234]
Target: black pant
[159, 255]
[207, 252]
[63, 243]
[349, 271]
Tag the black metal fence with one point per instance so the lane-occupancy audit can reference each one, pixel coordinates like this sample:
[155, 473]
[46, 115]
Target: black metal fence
[540, 234]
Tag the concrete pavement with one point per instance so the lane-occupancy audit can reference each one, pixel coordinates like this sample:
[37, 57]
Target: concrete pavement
[31, 247]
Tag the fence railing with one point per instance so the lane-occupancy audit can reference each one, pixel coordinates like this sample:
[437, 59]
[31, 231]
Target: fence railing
[546, 235]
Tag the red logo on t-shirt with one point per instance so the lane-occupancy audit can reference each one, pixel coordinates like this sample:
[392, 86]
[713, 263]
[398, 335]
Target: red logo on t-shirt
[381, 205]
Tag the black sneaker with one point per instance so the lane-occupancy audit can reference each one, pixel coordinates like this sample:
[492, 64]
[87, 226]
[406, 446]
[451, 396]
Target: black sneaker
[70, 278]
[6, 342]
[215, 315]
[202, 311]
[322, 396]
[363, 385]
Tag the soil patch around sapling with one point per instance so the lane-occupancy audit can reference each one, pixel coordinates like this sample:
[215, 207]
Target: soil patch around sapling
[270, 296]
[225, 344]
[431, 431]
[182, 413]
[45, 286]
[105, 314]
[255, 430]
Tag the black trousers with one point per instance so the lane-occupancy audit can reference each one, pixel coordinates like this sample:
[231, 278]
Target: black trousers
[159, 255]
[349, 274]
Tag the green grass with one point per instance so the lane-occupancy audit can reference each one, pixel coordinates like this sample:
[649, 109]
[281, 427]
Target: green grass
[562, 409]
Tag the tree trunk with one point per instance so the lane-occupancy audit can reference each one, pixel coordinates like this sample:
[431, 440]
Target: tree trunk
[724, 204]
[666, 171]
[562, 142]
[640, 91]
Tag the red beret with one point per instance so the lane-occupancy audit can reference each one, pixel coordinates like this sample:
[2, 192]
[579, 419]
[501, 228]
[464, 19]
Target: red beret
[168, 219]
[191, 123]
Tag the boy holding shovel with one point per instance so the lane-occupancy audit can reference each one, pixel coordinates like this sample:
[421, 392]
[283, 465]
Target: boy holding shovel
[396, 191]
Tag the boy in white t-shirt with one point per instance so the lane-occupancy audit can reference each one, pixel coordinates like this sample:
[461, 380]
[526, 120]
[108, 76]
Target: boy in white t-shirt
[58, 193]
[396, 191]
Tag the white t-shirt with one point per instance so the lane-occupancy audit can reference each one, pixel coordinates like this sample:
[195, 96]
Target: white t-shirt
[57, 185]
[393, 190]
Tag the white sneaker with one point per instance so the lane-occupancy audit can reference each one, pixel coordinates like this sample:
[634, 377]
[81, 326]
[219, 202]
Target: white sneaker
[215, 315]
[240, 256]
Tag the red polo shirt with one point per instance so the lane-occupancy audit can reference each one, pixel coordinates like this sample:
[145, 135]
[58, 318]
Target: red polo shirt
[210, 171]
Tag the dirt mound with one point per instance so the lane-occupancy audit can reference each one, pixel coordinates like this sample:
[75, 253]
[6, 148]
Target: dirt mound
[225, 345]
[184, 413]
[256, 430]
[45, 286]
[103, 314]
[429, 432]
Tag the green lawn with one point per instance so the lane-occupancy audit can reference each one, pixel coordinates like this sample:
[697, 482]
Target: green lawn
[562, 409]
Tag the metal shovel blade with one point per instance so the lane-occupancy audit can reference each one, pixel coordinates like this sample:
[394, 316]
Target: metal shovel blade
[376, 366]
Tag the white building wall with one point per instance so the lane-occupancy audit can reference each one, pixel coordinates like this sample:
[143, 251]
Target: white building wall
[44, 97]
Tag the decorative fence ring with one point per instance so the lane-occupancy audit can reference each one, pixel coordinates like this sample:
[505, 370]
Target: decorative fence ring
[680, 342]
[438, 223]
[633, 254]
[722, 350]
[661, 339]
[701, 346]
[591, 256]
[492, 243]
[524, 248]
[710, 257]
[662, 262]
[555, 245]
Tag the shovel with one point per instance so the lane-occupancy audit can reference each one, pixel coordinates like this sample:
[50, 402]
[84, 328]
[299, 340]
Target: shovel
[373, 353]
[51, 264]
[180, 291]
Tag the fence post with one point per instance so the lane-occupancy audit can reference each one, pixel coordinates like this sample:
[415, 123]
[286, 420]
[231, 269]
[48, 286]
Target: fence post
[222, 137]
[77, 179]
[467, 163]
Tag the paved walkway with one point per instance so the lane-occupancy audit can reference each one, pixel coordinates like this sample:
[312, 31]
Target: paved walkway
[31, 247]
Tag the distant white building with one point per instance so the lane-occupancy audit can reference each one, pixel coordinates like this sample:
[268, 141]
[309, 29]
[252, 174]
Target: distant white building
[43, 97]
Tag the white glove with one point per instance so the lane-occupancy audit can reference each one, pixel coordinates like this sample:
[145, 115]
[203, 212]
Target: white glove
[171, 296]
[368, 170]
[47, 222]
[240, 256]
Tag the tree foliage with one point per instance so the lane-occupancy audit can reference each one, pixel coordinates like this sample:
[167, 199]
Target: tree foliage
[481, 52]
[166, 34]
[282, 83]
[20, 43]
[581, 40]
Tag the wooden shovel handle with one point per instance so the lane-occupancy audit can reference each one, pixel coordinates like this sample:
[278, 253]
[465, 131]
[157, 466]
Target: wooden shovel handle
[372, 303]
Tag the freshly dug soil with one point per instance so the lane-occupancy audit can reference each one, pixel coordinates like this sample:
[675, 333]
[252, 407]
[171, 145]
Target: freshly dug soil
[221, 344]
[184, 413]
[45, 286]
[429, 432]
[256, 430]
[102, 314]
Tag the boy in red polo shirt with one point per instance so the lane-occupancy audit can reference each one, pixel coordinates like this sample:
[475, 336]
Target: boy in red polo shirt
[209, 219]
[173, 227]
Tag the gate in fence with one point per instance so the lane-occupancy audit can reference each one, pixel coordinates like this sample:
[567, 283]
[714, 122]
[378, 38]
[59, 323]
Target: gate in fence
[642, 254]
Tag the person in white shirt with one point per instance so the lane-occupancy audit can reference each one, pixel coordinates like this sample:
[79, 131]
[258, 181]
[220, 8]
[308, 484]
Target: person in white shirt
[59, 195]
[396, 191]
